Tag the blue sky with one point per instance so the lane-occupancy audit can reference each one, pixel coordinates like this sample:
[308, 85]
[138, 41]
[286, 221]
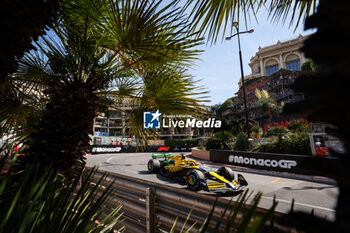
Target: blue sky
[219, 69]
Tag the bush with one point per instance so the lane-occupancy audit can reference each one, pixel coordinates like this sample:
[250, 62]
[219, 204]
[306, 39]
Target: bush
[269, 147]
[221, 140]
[276, 131]
[295, 143]
[212, 143]
[297, 126]
[192, 142]
[255, 132]
[298, 143]
[242, 142]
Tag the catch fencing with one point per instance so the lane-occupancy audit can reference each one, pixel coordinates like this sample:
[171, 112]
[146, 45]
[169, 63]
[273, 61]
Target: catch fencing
[152, 207]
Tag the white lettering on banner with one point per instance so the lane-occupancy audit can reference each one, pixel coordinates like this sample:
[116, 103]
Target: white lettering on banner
[105, 149]
[210, 123]
[287, 164]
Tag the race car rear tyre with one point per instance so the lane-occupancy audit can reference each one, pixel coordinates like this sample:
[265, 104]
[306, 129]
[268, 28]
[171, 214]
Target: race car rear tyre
[153, 165]
[193, 180]
[227, 173]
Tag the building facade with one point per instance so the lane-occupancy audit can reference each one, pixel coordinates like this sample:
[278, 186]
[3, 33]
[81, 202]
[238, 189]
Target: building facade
[279, 87]
[274, 69]
[114, 124]
[282, 55]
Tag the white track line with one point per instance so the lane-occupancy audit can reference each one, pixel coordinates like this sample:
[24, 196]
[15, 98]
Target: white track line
[301, 204]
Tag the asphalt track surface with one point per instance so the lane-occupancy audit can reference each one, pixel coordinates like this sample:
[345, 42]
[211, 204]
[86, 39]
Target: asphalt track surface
[308, 196]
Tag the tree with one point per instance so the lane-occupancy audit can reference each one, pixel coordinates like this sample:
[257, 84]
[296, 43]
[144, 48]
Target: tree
[279, 132]
[97, 50]
[213, 17]
[310, 66]
[297, 126]
[242, 142]
[30, 19]
[328, 52]
[267, 104]
[221, 140]
[256, 131]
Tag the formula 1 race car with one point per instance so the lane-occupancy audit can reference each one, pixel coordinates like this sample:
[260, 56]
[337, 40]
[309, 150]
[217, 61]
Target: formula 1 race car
[197, 177]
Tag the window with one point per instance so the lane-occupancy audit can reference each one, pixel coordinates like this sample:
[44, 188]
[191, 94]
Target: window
[293, 65]
[271, 69]
[257, 70]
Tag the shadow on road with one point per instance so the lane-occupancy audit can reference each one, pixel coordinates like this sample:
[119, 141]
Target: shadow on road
[309, 188]
[143, 172]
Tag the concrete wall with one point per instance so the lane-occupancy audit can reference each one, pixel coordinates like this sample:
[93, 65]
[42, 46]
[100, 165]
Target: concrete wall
[201, 154]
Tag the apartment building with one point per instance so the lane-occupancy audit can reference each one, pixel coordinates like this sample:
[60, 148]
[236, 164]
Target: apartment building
[113, 123]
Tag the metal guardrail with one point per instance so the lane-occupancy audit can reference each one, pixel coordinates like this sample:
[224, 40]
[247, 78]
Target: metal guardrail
[151, 207]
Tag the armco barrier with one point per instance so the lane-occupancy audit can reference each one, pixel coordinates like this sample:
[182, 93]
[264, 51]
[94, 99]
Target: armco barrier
[297, 164]
[98, 149]
[151, 207]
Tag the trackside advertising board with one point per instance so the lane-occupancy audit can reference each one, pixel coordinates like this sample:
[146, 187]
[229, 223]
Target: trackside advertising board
[99, 149]
[277, 162]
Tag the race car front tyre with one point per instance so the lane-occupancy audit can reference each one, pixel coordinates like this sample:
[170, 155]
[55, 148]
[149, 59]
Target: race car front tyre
[227, 173]
[193, 179]
[153, 165]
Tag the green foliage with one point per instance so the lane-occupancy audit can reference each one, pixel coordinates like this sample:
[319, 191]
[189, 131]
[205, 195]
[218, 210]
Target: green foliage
[100, 51]
[37, 200]
[298, 143]
[276, 131]
[181, 142]
[221, 140]
[242, 142]
[222, 112]
[293, 143]
[297, 126]
[268, 104]
[214, 18]
[255, 131]
[310, 66]
[269, 147]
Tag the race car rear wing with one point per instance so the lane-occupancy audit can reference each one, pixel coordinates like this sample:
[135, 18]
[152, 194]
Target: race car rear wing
[161, 155]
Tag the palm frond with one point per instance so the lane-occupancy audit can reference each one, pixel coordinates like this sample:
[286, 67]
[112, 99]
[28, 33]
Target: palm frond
[212, 18]
[171, 92]
[34, 200]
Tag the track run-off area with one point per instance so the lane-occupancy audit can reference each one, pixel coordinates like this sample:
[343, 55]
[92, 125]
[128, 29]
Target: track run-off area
[308, 196]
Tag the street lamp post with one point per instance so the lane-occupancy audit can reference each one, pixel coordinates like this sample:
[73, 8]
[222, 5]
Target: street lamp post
[235, 24]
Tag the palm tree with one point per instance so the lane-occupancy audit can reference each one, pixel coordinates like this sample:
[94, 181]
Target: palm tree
[213, 18]
[99, 50]
[268, 105]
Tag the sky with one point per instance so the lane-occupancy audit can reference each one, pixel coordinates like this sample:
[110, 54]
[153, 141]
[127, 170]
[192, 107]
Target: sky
[219, 69]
